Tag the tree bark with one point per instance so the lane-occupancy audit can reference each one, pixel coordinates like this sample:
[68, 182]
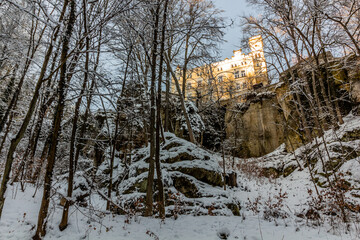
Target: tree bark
[150, 180]
[188, 124]
[41, 226]
[15, 141]
[161, 201]
[65, 215]
[29, 58]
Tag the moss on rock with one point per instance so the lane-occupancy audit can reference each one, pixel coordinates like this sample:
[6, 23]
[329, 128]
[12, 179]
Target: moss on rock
[186, 187]
[288, 170]
[235, 209]
[184, 156]
[139, 185]
[351, 136]
[171, 145]
[271, 172]
[204, 175]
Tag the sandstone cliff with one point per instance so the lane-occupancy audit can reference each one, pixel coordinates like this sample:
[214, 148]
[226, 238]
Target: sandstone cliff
[261, 123]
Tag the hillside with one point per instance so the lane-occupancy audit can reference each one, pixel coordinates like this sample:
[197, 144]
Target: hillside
[275, 198]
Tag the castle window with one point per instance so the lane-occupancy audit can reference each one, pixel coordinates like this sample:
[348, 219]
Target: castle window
[244, 85]
[220, 79]
[236, 74]
[237, 86]
[199, 83]
[258, 64]
[243, 73]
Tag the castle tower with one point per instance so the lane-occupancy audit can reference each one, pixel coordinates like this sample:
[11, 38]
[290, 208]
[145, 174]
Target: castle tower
[256, 44]
[259, 63]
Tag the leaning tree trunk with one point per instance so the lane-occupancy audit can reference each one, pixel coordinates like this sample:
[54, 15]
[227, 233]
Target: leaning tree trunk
[183, 108]
[15, 141]
[5, 98]
[29, 58]
[41, 226]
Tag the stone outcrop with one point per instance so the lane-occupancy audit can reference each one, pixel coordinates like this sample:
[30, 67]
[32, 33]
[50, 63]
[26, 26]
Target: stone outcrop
[261, 123]
[352, 67]
[187, 168]
[191, 175]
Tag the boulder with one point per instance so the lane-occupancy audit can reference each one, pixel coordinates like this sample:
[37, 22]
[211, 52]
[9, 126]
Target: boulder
[192, 177]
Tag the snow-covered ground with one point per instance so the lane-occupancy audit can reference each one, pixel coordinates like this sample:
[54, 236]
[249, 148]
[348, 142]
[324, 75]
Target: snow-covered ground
[20, 216]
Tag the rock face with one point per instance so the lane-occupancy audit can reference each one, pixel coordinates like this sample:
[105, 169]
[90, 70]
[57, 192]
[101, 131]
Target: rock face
[355, 90]
[354, 75]
[259, 128]
[262, 120]
[259, 125]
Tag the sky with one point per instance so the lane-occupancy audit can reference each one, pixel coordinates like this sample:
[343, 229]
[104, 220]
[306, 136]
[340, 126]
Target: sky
[233, 9]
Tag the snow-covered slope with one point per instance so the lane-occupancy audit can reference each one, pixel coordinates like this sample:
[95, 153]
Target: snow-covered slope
[272, 205]
[20, 216]
[192, 177]
[336, 151]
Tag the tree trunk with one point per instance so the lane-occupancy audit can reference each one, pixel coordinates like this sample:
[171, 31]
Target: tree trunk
[150, 180]
[29, 57]
[36, 135]
[330, 79]
[112, 160]
[88, 104]
[161, 201]
[41, 226]
[183, 108]
[15, 141]
[167, 99]
[65, 215]
[7, 93]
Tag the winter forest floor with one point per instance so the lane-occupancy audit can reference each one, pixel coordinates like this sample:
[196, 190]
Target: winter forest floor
[20, 214]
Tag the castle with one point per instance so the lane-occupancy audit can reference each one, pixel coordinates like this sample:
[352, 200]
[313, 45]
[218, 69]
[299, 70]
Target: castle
[228, 78]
